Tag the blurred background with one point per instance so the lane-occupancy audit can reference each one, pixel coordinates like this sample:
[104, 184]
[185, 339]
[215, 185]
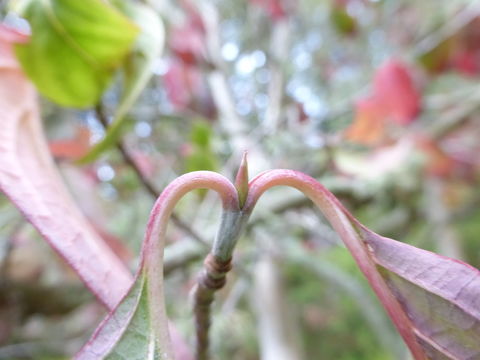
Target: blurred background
[377, 99]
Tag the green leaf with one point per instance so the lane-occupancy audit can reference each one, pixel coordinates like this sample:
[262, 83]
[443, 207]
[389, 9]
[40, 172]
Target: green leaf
[342, 21]
[137, 70]
[74, 48]
[202, 156]
[128, 332]
[201, 134]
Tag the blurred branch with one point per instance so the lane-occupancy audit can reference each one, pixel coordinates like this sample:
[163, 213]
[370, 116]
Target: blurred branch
[448, 29]
[279, 51]
[223, 97]
[448, 242]
[277, 331]
[452, 119]
[148, 186]
[222, 94]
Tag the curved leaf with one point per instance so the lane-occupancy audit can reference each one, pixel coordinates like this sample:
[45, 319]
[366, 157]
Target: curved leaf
[29, 178]
[74, 48]
[441, 296]
[433, 301]
[138, 327]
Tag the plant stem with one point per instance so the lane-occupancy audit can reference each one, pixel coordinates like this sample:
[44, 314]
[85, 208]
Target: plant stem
[147, 185]
[212, 279]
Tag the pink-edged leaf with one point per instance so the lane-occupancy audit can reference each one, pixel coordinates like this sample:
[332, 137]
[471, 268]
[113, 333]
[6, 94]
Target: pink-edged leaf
[138, 327]
[441, 296]
[433, 301]
[28, 177]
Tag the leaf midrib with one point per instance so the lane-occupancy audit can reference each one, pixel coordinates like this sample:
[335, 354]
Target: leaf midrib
[67, 38]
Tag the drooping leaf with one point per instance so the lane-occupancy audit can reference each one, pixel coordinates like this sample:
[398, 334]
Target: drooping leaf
[74, 48]
[441, 296]
[433, 301]
[29, 178]
[137, 70]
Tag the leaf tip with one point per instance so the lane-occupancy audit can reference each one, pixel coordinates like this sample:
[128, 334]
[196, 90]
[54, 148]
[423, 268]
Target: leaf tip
[241, 181]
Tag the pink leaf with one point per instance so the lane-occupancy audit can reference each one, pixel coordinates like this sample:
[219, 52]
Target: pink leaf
[441, 296]
[29, 178]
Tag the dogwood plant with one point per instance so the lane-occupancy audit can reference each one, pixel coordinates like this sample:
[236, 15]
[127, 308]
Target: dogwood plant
[433, 301]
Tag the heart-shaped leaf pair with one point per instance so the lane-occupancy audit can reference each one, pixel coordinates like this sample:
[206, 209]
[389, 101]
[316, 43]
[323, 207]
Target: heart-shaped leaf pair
[433, 301]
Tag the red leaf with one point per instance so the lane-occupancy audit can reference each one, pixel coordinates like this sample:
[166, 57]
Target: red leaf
[72, 149]
[394, 99]
[394, 87]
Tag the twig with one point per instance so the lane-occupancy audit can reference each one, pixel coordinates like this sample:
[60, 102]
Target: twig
[455, 117]
[8, 247]
[148, 186]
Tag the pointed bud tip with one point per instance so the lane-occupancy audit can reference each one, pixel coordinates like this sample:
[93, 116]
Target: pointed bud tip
[241, 181]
